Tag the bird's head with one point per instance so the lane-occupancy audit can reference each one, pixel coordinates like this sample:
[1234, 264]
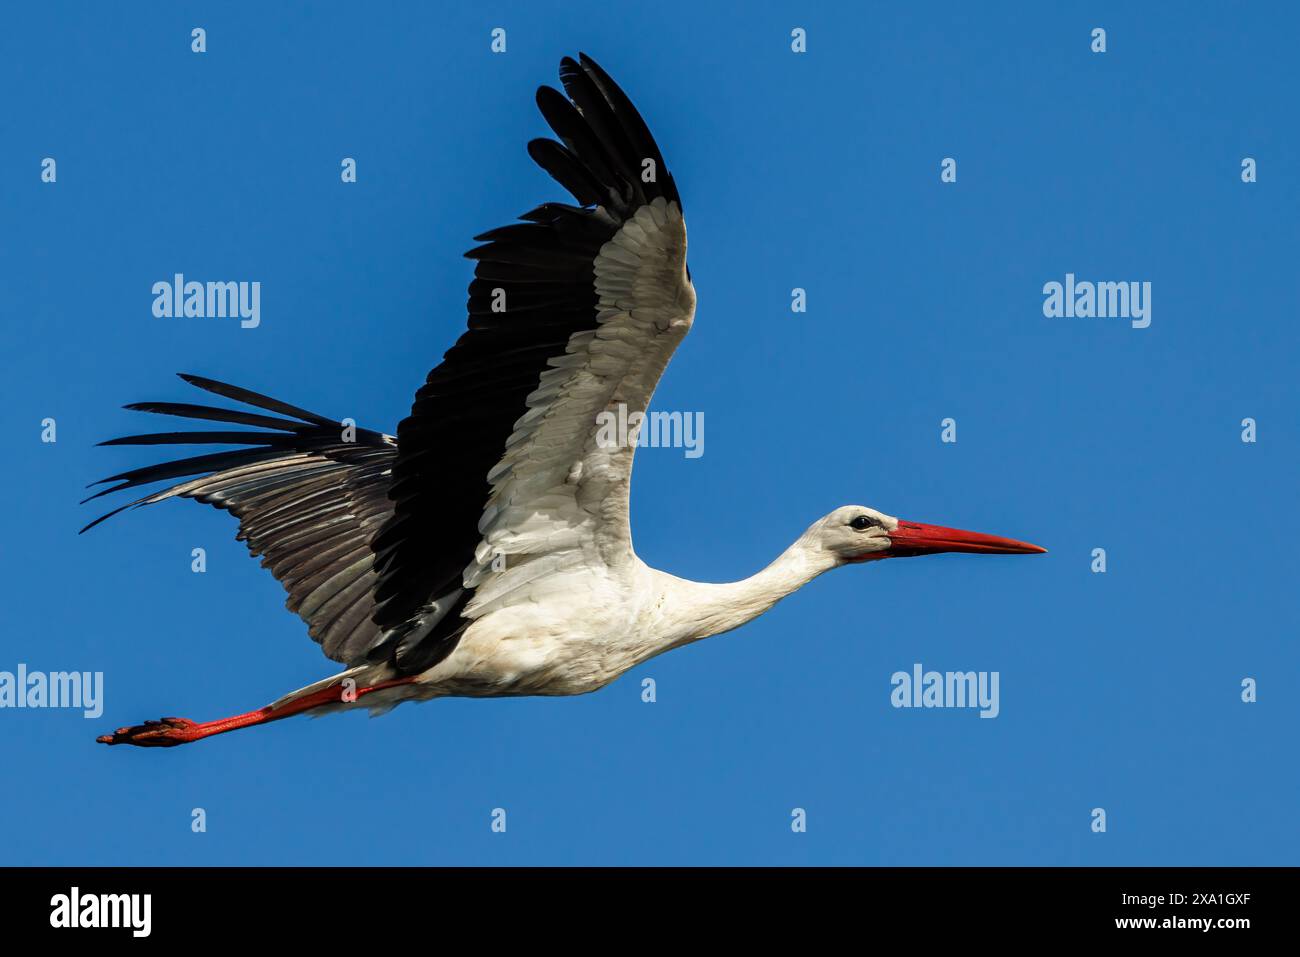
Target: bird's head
[855, 533]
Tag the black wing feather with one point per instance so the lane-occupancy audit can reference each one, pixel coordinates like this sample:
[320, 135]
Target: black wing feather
[466, 410]
[307, 501]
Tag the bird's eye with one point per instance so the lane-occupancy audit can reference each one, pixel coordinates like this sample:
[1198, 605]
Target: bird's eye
[862, 522]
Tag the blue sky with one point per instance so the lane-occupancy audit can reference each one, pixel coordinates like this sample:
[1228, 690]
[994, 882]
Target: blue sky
[820, 171]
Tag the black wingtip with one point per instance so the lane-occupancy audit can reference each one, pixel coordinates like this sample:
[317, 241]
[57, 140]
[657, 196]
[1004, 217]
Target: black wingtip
[257, 399]
[208, 385]
[106, 516]
[102, 492]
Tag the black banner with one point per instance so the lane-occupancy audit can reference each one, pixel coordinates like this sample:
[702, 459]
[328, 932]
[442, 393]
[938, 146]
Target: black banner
[333, 905]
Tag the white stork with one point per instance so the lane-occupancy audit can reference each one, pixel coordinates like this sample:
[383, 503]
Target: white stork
[485, 550]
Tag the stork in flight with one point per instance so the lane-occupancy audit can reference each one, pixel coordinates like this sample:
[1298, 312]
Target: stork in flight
[485, 550]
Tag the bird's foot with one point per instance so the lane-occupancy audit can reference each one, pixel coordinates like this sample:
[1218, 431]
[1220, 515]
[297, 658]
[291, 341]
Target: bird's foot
[164, 733]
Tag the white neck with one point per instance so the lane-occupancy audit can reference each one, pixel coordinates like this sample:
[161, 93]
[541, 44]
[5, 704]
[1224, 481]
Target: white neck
[694, 610]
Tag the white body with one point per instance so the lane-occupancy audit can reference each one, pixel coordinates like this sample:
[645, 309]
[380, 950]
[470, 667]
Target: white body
[599, 623]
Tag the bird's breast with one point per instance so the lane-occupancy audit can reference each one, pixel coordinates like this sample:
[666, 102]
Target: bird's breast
[545, 648]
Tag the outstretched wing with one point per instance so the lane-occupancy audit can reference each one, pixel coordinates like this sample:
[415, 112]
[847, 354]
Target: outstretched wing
[309, 495]
[500, 481]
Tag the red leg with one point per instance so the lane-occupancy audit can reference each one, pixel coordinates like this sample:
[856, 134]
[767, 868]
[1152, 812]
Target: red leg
[169, 732]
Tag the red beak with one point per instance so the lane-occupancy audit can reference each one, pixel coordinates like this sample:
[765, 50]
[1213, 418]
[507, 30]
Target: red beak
[915, 538]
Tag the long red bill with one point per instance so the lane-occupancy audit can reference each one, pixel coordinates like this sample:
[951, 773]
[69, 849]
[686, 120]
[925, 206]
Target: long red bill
[917, 538]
